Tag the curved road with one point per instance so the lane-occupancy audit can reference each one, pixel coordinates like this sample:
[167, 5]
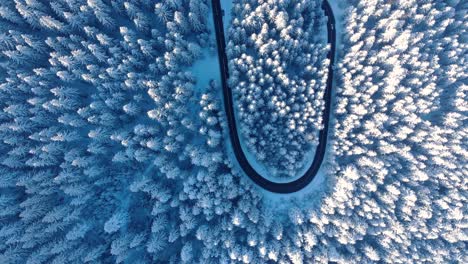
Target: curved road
[303, 181]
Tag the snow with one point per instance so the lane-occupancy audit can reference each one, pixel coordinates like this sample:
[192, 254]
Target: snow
[318, 184]
[339, 12]
[282, 202]
[307, 195]
[76, 179]
[268, 173]
[207, 68]
[226, 5]
[260, 168]
[271, 173]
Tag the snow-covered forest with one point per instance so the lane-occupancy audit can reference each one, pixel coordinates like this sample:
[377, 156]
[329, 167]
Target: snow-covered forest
[112, 152]
[278, 68]
[400, 133]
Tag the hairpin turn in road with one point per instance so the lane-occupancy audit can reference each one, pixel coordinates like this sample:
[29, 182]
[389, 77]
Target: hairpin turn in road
[304, 180]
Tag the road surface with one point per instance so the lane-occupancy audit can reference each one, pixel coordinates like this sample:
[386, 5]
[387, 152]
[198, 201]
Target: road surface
[304, 180]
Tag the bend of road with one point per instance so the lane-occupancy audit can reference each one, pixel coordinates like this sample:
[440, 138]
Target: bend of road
[304, 180]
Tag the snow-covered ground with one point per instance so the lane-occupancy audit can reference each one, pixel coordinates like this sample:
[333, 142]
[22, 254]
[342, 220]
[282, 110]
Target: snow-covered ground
[226, 5]
[339, 8]
[207, 68]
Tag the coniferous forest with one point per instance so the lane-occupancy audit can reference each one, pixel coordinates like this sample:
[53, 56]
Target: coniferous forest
[113, 148]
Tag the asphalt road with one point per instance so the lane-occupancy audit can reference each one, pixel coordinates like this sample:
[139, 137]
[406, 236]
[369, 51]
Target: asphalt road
[303, 181]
